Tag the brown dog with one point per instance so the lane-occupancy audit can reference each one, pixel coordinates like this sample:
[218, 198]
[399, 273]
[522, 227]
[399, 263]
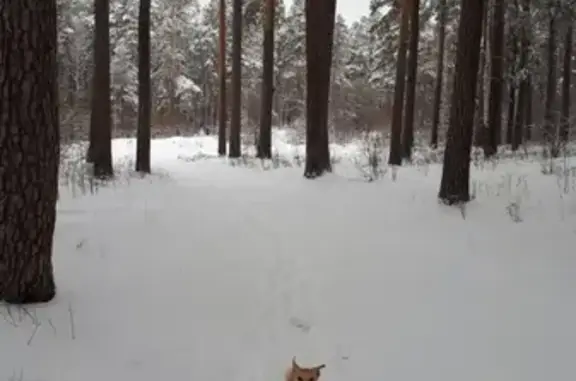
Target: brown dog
[297, 373]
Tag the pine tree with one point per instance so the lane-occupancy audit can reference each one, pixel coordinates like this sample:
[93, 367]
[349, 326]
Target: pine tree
[454, 186]
[29, 137]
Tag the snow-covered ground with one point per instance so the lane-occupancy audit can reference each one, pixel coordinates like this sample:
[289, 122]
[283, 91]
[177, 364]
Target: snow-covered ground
[211, 272]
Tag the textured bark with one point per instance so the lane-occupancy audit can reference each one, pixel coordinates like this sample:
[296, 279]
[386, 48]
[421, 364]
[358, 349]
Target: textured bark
[222, 110]
[513, 88]
[236, 115]
[454, 186]
[29, 149]
[144, 91]
[511, 108]
[439, 73]
[265, 138]
[479, 117]
[395, 156]
[320, 19]
[566, 83]
[520, 126]
[529, 121]
[100, 151]
[496, 79]
[411, 79]
[549, 120]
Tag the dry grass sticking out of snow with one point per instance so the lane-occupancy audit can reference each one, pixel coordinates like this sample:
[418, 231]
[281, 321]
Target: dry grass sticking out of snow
[212, 272]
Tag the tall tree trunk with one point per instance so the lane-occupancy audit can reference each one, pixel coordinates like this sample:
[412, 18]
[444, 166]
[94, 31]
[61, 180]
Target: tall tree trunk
[512, 89]
[395, 156]
[265, 138]
[30, 154]
[411, 79]
[520, 125]
[529, 121]
[320, 19]
[549, 119]
[511, 111]
[454, 186]
[496, 79]
[480, 120]
[222, 114]
[101, 117]
[236, 117]
[144, 90]
[439, 73]
[566, 82]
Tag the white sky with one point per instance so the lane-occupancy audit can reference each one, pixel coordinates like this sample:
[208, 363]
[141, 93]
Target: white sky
[351, 10]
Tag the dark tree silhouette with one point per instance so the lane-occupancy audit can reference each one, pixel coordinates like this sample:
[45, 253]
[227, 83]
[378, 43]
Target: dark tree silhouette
[144, 93]
[408, 130]
[395, 156]
[551, 79]
[29, 149]
[566, 82]
[521, 128]
[236, 115]
[439, 73]
[100, 149]
[265, 138]
[454, 186]
[320, 19]
[222, 110]
[496, 80]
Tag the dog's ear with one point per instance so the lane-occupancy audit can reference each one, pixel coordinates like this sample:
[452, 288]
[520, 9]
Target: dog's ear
[294, 364]
[318, 368]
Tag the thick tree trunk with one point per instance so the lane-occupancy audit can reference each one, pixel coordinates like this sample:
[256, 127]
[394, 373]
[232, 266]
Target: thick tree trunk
[101, 117]
[566, 83]
[320, 19]
[511, 111]
[265, 138]
[236, 116]
[439, 73]
[496, 79]
[513, 88]
[529, 90]
[395, 156]
[454, 186]
[520, 125]
[222, 110]
[411, 79]
[29, 149]
[529, 121]
[144, 91]
[479, 118]
[549, 119]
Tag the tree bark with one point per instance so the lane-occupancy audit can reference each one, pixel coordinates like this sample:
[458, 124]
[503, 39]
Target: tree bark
[521, 128]
[395, 156]
[454, 186]
[496, 79]
[439, 73]
[100, 151]
[265, 138]
[320, 20]
[411, 79]
[566, 82]
[29, 149]
[222, 109]
[236, 116]
[480, 120]
[549, 119]
[144, 91]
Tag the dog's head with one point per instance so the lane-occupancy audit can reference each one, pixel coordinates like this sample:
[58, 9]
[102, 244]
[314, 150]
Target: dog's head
[297, 373]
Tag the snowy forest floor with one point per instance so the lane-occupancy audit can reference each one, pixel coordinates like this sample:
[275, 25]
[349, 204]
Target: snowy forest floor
[208, 271]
